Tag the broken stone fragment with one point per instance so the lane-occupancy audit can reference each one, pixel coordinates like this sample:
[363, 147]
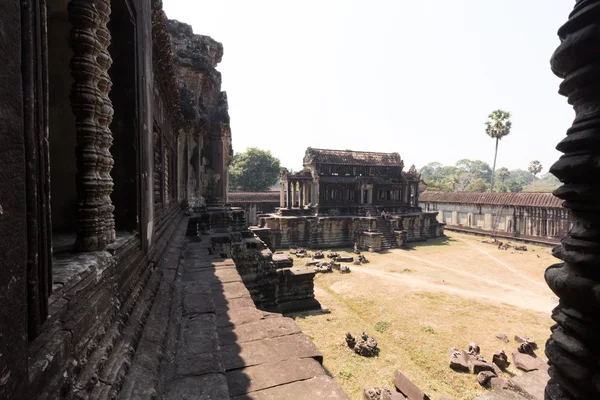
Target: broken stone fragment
[383, 393]
[525, 348]
[527, 362]
[407, 388]
[501, 359]
[350, 340]
[503, 337]
[458, 362]
[478, 363]
[524, 339]
[344, 269]
[484, 377]
[474, 348]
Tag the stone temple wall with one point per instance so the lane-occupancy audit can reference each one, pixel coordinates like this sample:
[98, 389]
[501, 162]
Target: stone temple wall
[343, 231]
[313, 232]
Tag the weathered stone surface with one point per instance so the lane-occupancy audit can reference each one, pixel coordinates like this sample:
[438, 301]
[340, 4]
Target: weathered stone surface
[409, 389]
[532, 384]
[458, 360]
[209, 386]
[496, 383]
[527, 362]
[239, 316]
[268, 375]
[222, 304]
[198, 335]
[208, 275]
[348, 259]
[269, 350]
[261, 329]
[199, 364]
[197, 303]
[232, 290]
[503, 337]
[501, 359]
[484, 377]
[321, 387]
[502, 394]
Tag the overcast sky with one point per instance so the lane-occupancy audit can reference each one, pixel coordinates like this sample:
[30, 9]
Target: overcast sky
[414, 77]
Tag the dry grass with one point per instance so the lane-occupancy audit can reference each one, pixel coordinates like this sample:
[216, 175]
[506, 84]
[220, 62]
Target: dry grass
[417, 315]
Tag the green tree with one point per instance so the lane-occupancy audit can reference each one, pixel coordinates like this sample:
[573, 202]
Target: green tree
[497, 126]
[478, 185]
[254, 170]
[514, 185]
[503, 174]
[535, 168]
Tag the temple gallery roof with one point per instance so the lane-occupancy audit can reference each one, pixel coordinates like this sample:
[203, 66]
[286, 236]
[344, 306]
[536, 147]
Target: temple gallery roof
[348, 157]
[509, 199]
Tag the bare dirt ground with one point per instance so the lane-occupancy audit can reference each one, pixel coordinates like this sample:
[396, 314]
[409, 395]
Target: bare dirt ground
[421, 301]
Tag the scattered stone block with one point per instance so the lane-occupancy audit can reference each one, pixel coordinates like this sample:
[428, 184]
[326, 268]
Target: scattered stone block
[344, 259]
[527, 362]
[458, 361]
[503, 337]
[525, 348]
[332, 255]
[501, 359]
[407, 388]
[344, 269]
[484, 377]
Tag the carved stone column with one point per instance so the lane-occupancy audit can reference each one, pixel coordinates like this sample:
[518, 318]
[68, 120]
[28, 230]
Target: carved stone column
[93, 111]
[573, 348]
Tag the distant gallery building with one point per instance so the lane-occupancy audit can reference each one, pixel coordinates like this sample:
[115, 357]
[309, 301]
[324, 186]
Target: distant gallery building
[538, 217]
[337, 200]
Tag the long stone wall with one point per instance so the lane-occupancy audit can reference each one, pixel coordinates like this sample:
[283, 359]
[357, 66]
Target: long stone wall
[546, 223]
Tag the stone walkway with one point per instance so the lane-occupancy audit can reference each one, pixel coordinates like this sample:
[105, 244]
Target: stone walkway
[220, 346]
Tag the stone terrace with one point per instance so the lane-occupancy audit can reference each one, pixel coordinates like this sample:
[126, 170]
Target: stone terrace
[220, 346]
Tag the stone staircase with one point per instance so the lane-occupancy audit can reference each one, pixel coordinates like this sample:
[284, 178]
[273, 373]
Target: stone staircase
[388, 241]
[223, 347]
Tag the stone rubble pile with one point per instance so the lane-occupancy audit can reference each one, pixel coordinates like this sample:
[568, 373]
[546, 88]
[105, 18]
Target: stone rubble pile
[488, 373]
[365, 346]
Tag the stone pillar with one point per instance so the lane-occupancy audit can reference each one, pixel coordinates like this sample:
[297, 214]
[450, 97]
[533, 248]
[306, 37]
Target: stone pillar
[289, 194]
[301, 194]
[218, 167]
[573, 350]
[93, 112]
[293, 202]
[281, 194]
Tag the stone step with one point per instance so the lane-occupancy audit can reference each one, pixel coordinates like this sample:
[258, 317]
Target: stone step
[320, 387]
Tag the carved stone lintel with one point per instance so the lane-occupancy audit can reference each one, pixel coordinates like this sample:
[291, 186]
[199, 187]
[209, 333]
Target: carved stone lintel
[573, 349]
[93, 111]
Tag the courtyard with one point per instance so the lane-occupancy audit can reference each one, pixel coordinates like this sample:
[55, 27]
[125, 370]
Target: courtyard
[421, 301]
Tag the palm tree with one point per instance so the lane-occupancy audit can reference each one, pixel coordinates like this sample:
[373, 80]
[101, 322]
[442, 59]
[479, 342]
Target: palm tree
[535, 168]
[497, 126]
